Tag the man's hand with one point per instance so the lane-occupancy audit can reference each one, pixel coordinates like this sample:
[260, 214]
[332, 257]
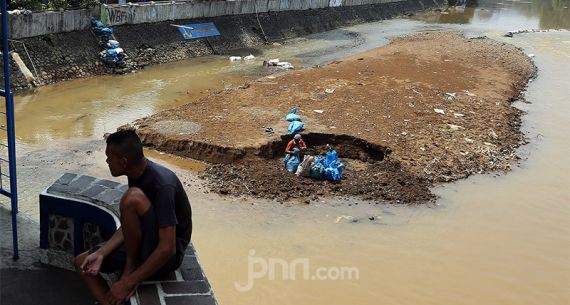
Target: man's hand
[92, 263]
[120, 292]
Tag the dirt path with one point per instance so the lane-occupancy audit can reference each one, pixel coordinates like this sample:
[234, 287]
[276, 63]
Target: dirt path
[430, 107]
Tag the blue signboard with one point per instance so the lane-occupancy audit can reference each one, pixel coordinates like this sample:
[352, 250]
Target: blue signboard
[198, 30]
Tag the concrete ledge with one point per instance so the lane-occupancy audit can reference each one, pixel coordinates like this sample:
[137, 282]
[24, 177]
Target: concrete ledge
[78, 212]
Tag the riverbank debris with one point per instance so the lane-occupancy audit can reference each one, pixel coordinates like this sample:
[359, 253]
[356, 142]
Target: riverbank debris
[383, 157]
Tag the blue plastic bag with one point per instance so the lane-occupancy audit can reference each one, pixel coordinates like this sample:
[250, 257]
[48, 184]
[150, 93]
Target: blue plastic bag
[332, 157]
[112, 44]
[286, 159]
[330, 168]
[295, 126]
[96, 23]
[293, 116]
[293, 161]
[103, 32]
[333, 172]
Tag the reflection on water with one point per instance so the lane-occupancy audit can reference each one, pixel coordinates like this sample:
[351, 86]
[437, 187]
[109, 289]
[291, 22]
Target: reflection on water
[87, 108]
[537, 14]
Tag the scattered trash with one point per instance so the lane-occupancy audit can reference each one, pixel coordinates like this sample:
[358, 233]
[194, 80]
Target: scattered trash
[269, 130]
[531, 55]
[493, 134]
[450, 96]
[458, 115]
[455, 127]
[470, 94]
[19, 12]
[285, 65]
[235, 58]
[276, 63]
[112, 44]
[329, 91]
[249, 57]
[113, 56]
[512, 33]
[345, 218]
[440, 111]
[318, 111]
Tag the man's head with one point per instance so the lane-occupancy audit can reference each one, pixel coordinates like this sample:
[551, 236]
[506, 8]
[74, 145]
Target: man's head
[124, 151]
[297, 138]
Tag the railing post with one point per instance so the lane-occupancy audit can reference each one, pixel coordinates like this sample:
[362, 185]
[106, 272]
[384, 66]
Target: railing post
[10, 129]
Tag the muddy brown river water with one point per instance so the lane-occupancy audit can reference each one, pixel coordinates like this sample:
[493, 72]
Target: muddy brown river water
[490, 239]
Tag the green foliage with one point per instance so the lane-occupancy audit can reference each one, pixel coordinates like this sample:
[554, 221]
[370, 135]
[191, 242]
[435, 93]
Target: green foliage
[82, 3]
[58, 4]
[32, 5]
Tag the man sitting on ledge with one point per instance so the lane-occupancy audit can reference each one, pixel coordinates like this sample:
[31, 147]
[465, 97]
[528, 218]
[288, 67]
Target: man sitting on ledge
[156, 224]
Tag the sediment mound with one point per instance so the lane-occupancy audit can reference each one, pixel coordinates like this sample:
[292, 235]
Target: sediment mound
[429, 107]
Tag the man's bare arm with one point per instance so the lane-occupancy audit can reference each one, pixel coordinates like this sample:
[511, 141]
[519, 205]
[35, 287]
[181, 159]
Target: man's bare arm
[92, 263]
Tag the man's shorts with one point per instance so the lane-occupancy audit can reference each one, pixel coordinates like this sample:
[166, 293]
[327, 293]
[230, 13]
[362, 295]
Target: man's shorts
[116, 260]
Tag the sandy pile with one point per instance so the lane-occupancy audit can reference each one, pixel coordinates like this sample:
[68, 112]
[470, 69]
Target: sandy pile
[439, 102]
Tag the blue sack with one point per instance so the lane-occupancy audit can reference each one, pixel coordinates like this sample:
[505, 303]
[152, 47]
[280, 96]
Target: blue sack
[332, 157]
[96, 23]
[293, 116]
[103, 32]
[286, 159]
[295, 126]
[112, 44]
[292, 164]
[334, 172]
[293, 161]
[332, 167]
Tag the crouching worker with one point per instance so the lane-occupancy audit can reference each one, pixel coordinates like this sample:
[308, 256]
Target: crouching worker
[156, 224]
[298, 143]
[294, 153]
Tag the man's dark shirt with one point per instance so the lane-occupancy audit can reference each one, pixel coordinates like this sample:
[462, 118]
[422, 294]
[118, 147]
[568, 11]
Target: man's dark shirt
[169, 200]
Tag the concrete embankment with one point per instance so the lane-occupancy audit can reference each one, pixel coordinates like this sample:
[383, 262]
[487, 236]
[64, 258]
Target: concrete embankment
[64, 56]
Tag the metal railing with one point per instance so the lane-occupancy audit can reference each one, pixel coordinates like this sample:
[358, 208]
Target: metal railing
[10, 147]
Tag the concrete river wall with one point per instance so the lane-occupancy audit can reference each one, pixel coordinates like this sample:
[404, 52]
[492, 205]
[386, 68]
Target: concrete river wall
[56, 47]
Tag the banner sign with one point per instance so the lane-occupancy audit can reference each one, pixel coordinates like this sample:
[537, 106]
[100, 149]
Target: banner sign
[198, 30]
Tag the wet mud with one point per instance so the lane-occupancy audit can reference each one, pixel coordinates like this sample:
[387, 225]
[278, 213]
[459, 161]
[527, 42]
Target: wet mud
[428, 108]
